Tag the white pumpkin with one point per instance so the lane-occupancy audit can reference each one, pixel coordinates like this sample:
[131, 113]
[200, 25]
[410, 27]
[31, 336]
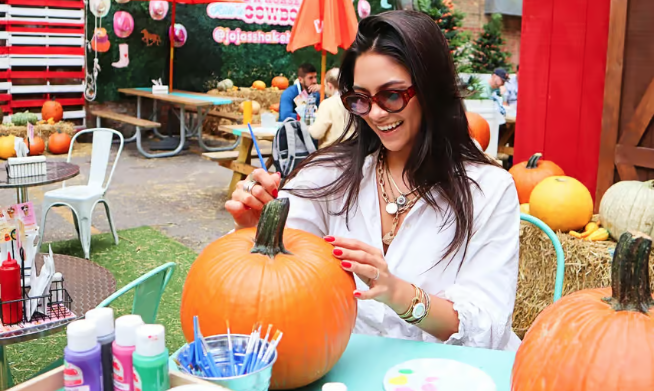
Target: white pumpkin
[628, 206]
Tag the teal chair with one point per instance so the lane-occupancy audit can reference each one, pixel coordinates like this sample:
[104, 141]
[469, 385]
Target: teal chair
[148, 290]
[560, 257]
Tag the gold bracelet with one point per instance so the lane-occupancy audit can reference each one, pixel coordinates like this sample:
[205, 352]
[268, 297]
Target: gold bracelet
[427, 299]
[418, 308]
[414, 301]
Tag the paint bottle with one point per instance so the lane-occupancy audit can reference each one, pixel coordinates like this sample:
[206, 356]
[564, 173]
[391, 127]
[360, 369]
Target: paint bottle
[334, 387]
[123, 349]
[12, 313]
[104, 325]
[247, 112]
[150, 359]
[82, 358]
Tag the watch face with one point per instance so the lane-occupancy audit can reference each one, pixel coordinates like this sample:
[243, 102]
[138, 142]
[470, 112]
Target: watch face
[418, 310]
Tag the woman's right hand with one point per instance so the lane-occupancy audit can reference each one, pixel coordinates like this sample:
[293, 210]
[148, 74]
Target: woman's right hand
[246, 207]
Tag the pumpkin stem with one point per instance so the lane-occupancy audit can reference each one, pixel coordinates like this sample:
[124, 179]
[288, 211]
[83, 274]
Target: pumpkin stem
[630, 274]
[533, 160]
[270, 229]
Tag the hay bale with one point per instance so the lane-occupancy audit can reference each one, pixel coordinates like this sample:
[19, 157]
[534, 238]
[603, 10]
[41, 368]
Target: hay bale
[43, 131]
[265, 98]
[587, 265]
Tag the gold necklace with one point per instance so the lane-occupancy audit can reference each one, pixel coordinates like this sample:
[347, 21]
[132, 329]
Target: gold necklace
[402, 198]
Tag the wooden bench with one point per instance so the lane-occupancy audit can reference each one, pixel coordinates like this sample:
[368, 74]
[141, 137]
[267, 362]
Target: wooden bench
[218, 114]
[128, 119]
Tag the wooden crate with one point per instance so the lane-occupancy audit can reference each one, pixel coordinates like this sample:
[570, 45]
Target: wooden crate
[54, 381]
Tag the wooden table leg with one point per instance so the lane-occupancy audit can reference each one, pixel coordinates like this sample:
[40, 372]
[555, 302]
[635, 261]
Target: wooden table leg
[244, 156]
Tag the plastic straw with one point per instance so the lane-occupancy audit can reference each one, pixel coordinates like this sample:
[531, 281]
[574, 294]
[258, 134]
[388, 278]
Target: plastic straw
[256, 145]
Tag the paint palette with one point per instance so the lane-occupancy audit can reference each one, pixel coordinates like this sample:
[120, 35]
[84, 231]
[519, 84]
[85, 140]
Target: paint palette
[437, 374]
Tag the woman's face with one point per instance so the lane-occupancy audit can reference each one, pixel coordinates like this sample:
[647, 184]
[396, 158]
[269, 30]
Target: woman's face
[376, 72]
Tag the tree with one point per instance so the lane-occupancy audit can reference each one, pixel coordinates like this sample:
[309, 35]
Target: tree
[487, 49]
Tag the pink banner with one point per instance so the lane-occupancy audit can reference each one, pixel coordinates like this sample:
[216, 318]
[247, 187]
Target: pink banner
[275, 12]
[237, 36]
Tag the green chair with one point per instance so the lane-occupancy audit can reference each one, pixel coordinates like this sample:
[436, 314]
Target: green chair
[560, 257]
[148, 290]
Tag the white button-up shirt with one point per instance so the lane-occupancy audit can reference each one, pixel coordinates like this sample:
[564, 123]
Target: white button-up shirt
[482, 286]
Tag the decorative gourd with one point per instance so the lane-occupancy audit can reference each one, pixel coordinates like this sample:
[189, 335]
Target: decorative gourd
[479, 129]
[36, 146]
[527, 175]
[274, 107]
[628, 205]
[259, 85]
[562, 202]
[288, 278]
[58, 143]
[595, 339]
[52, 109]
[22, 119]
[256, 107]
[7, 148]
[280, 82]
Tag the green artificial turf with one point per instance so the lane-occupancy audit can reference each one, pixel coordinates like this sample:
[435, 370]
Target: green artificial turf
[139, 250]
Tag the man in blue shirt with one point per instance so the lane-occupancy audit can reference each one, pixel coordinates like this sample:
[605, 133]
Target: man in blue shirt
[307, 79]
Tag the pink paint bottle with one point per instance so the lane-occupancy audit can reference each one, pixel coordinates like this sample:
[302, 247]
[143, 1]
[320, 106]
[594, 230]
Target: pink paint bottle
[123, 348]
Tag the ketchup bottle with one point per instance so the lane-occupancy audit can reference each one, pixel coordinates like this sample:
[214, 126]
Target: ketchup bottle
[12, 313]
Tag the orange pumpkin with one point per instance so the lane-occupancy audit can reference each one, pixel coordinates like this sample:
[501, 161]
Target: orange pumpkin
[36, 146]
[479, 129]
[595, 339]
[7, 148]
[274, 107]
[280, 82]
[52, 109]
[259, 85]
[58, 143]
[527, 175]
[288, 278]
[561, 202]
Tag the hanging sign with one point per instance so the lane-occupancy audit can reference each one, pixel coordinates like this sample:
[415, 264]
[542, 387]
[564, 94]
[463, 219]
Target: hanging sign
[276, 12]
[227, 36]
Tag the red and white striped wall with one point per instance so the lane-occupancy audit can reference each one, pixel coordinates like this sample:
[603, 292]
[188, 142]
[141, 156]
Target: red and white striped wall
[42, 56]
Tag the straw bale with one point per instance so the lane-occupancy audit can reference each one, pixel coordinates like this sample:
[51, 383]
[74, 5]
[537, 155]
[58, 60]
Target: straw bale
[587, 265]
[43, 131]
[265, 98]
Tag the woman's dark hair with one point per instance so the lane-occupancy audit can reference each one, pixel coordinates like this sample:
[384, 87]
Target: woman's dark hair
[443, 145]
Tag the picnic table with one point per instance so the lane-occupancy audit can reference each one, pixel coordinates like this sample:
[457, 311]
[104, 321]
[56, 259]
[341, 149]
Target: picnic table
[197, 105]
[239, 161]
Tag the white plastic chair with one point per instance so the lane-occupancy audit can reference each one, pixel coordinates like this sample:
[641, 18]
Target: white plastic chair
[83, 199]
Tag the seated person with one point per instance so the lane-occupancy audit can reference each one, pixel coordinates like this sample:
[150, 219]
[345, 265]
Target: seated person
[307, 79]
[492, 90]
[510, 93]
[331, 117]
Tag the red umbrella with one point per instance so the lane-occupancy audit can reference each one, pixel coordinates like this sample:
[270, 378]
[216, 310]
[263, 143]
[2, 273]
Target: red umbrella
[327, 25]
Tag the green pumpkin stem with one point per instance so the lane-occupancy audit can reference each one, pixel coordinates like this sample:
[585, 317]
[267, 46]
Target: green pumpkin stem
[533, 160]
[270, 230]
[630, 274]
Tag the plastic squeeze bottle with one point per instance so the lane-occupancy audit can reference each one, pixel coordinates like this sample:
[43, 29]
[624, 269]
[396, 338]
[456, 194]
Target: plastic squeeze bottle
[10, 290]
[82, 361]
[150, 359]
[104, 324]
[123, 348]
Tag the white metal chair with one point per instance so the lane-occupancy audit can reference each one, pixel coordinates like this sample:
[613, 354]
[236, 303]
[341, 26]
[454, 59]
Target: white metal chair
[83, 199]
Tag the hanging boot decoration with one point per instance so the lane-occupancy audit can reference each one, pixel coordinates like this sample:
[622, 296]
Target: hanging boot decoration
[123, 60]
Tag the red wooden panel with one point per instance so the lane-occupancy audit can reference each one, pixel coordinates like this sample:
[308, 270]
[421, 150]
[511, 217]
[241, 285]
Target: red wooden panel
[39, 23]
[534, 77]
[5, 97]
[6, 109]
[4, 74]
[48, 3]
[45, 75]
[47, 50]
[45, 30]
[40, 102]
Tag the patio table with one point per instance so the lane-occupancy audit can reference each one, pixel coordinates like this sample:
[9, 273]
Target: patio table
[201, 105]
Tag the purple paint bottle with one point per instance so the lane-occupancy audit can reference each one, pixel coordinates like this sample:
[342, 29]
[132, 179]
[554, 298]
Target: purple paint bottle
[82, 360]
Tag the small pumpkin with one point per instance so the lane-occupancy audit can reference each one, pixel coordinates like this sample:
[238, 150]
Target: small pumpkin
[7, 148]
[595, 339]
[479, 129]
[280, 82]
[256, 107]
[36, 146]
[527, 175]
[524, 208]
[52, 109]
[561, 202]
[58, 143]
[259, 85]
[274, 107]
[628, 205]
[280, 276]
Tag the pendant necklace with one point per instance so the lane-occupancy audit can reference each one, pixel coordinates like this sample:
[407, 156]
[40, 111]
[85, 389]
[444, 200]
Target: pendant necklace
[401, 200]
[392, 206]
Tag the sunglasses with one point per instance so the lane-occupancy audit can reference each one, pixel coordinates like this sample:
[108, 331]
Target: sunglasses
[392, 101]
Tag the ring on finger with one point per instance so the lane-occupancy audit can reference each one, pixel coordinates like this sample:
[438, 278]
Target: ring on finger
[377, 275]
[247, 186]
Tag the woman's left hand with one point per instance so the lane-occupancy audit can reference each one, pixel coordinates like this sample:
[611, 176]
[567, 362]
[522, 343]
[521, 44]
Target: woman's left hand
[369, 265]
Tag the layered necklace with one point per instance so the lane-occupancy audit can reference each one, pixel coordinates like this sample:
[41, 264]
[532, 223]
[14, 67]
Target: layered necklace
[395, 206]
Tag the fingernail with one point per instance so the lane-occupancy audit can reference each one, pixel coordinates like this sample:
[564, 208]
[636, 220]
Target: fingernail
[346, 264]
[247, 207]
[357, 294]
[279, 174]
[338, 252]
[329, 239]
[274, 193]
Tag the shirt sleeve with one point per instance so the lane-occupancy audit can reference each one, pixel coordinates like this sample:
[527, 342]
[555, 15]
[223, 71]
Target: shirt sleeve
[484, 290]
[286, 106]
[323, 122]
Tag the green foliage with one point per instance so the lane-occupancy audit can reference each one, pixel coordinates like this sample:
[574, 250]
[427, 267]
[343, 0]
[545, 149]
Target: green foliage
[487, 51]
[472, 88]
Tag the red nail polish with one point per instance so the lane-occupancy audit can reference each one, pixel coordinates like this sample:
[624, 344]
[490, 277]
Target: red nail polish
[357, 294]
[329, 239]
[247, 207]
[346, 264]
[338, 251]
[274, 193]
[279, 174]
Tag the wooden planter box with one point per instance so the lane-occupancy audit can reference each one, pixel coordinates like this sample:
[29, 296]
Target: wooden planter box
[54, 381]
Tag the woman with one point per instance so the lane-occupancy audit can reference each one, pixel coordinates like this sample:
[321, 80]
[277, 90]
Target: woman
[426, 222]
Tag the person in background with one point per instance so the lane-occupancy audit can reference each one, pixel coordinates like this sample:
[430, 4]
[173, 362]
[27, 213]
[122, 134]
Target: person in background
[510, 93]
[307, 79]
[331, 116]
[492, 90]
